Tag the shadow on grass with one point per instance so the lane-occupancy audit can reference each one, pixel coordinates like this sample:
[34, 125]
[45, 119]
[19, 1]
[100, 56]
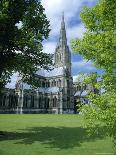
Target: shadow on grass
[59, 137]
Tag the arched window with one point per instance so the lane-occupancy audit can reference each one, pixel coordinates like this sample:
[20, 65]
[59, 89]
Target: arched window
[4, 100]
[68, 83]
[32, 101]
[48, 84]
[59, 81]
[39, 105]
[54, 102]
[57, 84]
[43, 84]
[47, 103]
[53, 83]
[25, 101]
[59, 57]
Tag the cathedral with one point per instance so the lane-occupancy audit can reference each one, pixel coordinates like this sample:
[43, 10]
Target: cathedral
[55, 93]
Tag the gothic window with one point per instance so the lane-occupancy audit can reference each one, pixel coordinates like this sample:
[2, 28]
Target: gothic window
[59, 83]
[60, 57]
[53, 83]
[25, 101]
[67, 83]
[10, 101]
[32, 101]
[40, 102]
[43, 84]
[15, 100]
[4, 100]
[45, 102]
[54, 102]
[48, 84]
[48, 103]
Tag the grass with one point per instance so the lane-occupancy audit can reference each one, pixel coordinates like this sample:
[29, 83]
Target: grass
[50, 135]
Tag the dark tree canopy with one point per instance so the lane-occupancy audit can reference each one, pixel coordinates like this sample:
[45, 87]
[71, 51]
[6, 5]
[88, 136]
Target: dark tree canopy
[23, 27]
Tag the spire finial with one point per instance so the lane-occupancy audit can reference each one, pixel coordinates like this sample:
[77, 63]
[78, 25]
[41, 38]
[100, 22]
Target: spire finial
[62, 22]
[62, 15]
[62, 38]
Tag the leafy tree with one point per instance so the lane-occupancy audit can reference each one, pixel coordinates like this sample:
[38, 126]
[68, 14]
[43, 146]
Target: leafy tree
[99, 45]
[23, 27]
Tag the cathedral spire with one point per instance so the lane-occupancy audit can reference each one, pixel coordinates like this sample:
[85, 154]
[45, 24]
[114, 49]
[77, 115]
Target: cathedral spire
[62, 38]
[62, 52]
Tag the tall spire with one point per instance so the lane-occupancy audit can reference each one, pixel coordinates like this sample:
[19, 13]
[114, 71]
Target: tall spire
[62, 38]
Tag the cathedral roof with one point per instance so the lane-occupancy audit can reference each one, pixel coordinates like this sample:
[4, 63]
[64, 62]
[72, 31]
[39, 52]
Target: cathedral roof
[81, 93]
[55, 72]
[42, 89]
[49, 90]
[78, 93]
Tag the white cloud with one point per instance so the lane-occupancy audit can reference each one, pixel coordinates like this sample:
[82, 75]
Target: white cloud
[75, 32]
[49, 47]
[83, 66]
[54, 9]
[81, 63]
[75, 77]
[13, 81]
[71, 8]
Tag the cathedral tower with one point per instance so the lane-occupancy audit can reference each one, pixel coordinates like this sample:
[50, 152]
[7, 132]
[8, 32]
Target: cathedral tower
[63, 60]
[62, 52]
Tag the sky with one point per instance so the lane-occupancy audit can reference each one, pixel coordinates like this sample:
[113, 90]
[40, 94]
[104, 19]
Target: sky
[74, 29]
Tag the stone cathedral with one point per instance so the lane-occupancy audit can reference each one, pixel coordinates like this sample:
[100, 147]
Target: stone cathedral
[55, 94]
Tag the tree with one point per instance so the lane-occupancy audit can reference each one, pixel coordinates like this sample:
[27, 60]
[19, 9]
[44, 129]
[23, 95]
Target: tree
[98, 45]
[23, 27]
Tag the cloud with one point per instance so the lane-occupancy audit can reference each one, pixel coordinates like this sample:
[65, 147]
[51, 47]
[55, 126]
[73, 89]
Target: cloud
[54, 9]
[83, 66]
[71, 9]
[82, 63]
[75, 77]
[13, 81]
[75, 32]
[49, 47]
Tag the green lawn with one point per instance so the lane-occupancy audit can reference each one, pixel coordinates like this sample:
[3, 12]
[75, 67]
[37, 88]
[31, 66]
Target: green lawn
[50, 135]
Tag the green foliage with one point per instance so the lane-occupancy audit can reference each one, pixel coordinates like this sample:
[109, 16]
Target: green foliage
[23, 27]
[99, 45]
[87, 78]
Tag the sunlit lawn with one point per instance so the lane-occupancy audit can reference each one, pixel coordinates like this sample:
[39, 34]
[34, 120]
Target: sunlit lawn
[50, 135]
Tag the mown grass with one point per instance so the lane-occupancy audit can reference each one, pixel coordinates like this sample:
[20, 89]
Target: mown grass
[50, 135]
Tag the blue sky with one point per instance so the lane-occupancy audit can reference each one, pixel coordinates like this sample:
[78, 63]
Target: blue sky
[74, 28]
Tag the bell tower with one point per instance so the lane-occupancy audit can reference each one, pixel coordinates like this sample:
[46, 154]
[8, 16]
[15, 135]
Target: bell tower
[62, 52]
